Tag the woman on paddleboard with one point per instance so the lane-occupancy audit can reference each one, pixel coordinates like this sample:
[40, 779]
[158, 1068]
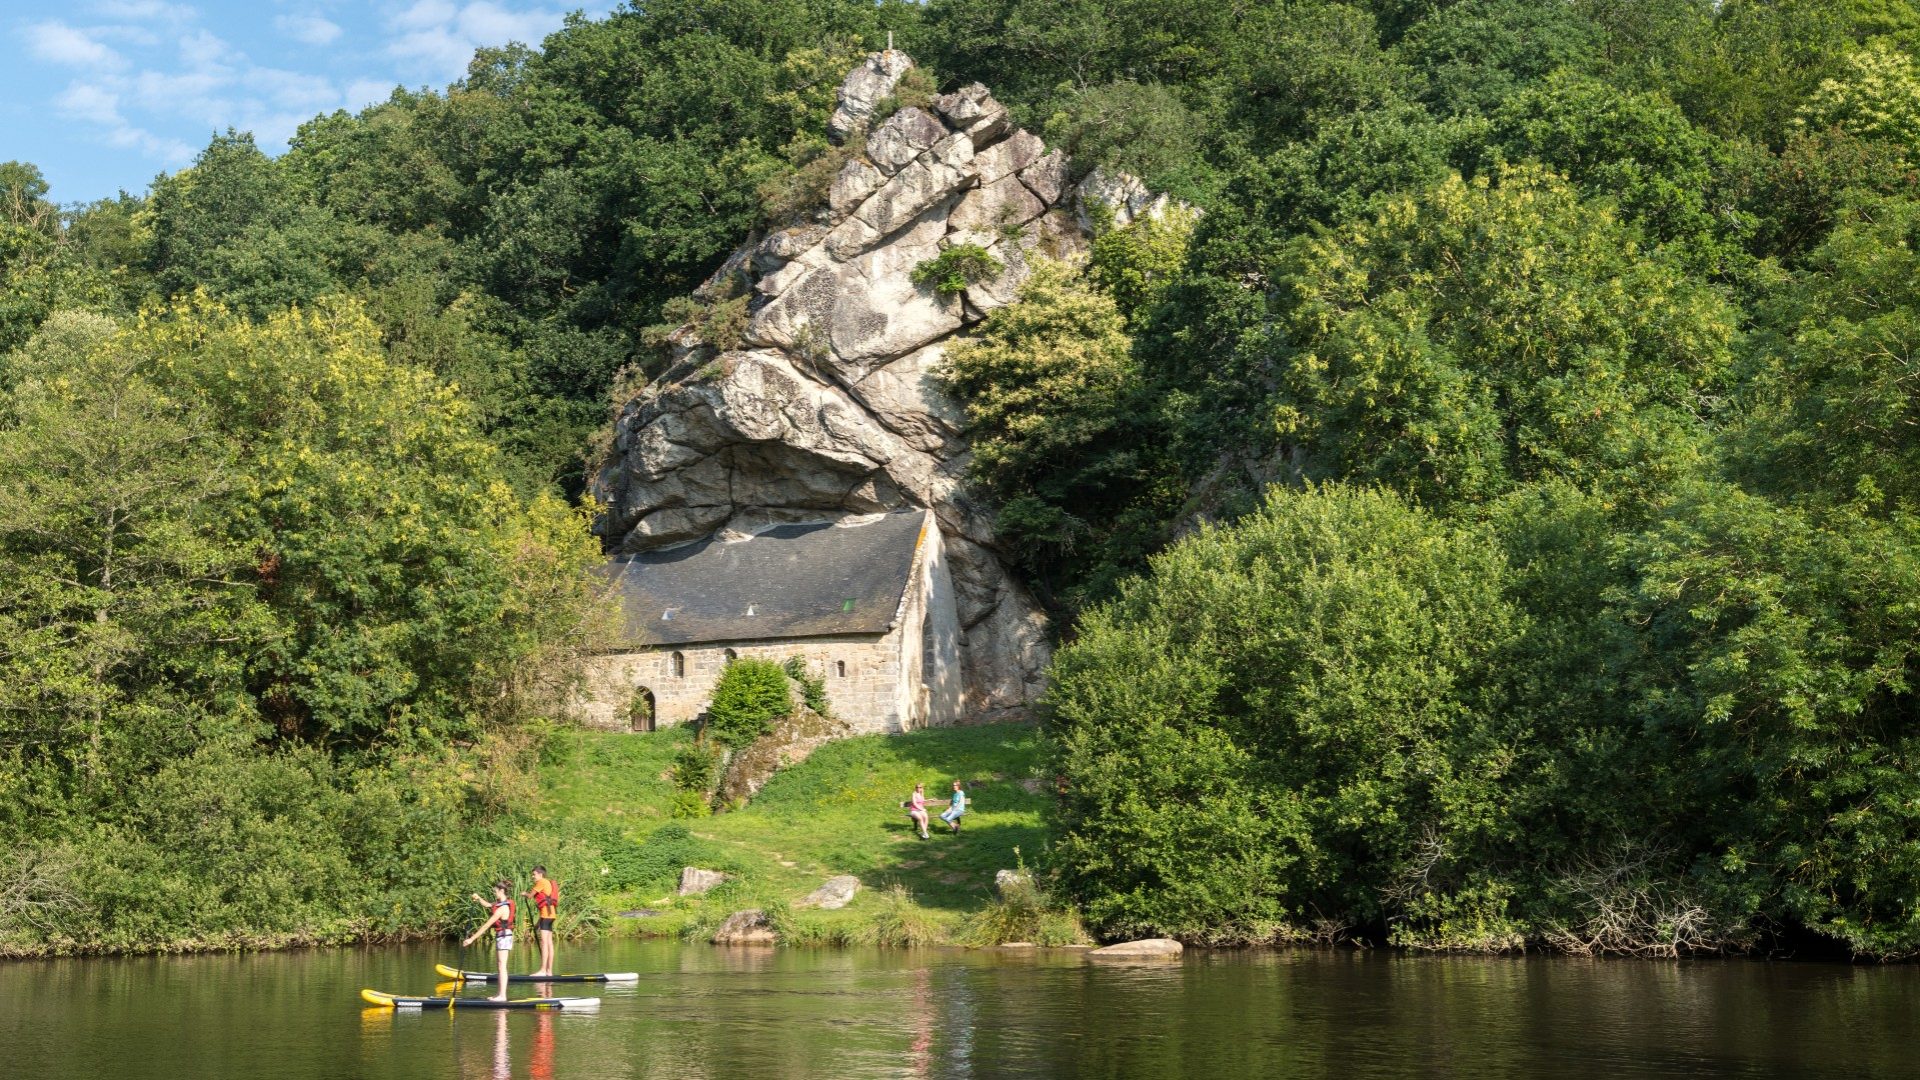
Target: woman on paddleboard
[500, 921]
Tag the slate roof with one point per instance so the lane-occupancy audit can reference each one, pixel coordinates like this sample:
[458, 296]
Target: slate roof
[791, 581]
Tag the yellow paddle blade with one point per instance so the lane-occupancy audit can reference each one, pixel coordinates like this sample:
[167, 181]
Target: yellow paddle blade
[375, 997]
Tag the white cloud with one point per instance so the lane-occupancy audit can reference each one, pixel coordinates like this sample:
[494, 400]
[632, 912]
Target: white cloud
[59, 43]
[443, 35]
[85, 101]
[100, 105]
[201, 50]
[307, 29]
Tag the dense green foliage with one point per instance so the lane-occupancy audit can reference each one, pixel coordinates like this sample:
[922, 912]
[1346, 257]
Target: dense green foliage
[956, 268]
[260, 582]
[749, 697]
[1543, 370]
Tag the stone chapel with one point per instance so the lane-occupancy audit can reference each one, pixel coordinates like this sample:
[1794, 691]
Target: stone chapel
[867, 601]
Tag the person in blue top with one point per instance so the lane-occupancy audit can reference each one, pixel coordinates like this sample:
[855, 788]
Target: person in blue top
[955, 807]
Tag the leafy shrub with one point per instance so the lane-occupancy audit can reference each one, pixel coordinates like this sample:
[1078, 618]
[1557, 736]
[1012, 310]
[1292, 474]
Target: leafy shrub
[696, 767]
[1024, 911]
[749, 697]
[690, 804]
[1264, 727]
[813, 688]
[721, 323]
[915, 90]
[796, 191]
[959, 266]
[897, 921]
[652, 863]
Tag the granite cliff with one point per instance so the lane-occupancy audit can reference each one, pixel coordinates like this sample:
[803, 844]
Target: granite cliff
[824, 407]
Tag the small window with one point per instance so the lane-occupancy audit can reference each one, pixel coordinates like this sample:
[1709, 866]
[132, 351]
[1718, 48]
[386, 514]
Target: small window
[731, 656]
[679, 665]
[840, 668]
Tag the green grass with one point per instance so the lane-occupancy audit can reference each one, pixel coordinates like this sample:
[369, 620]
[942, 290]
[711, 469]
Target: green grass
[836, 813]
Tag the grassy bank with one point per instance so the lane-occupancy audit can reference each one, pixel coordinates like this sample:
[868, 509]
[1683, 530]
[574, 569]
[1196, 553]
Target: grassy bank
[605, 811]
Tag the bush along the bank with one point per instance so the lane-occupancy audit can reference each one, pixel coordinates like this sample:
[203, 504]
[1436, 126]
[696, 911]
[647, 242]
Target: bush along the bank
[1265, 731]
[1026, 911]
[1347, 716]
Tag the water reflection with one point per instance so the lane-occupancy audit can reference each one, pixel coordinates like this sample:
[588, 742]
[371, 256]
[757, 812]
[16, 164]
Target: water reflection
[704, 1012]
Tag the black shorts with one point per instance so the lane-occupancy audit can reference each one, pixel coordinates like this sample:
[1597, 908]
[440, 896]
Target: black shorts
[543, 924]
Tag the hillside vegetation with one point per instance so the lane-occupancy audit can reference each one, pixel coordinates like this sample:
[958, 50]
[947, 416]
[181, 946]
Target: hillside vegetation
[605, 812]
[1492, 521]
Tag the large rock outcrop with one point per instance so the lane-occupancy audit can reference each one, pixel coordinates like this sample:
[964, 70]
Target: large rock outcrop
[827, 407]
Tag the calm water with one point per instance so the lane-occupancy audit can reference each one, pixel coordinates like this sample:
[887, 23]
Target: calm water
[705, 1012]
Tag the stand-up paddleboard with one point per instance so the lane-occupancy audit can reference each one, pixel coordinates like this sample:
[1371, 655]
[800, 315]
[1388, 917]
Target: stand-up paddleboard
[394, 1001]
[493, 976]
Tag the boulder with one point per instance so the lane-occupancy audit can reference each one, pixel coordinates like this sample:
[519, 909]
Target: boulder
[1004, 880]
[972, 109]
[1001, 205]
[856, 180]
[784, 244]
[904, 397]
[749, 927]
[1126, 198]
[696, 882]
[862, 89]
[912, 191]
[1144, 948]
[904, 136]
[1047, 177]
[833, 895]
[1008, 156]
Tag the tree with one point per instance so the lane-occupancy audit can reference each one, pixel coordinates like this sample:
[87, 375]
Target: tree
[1666, 176]
[1051, 394]
[1476, 52]
[1482, 335]
[1261, 733]
[1876, 96]
[1829, 402]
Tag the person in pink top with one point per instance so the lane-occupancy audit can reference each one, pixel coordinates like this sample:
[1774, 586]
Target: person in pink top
[917, 809]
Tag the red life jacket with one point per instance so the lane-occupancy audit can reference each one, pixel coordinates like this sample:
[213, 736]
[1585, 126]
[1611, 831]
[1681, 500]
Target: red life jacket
[546, 902]
[503, 927]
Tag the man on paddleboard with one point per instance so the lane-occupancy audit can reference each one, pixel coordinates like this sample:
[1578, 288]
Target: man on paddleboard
[500, 921]
[546, 906]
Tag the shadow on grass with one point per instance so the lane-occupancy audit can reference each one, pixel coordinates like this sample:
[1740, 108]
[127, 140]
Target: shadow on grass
[851, 792]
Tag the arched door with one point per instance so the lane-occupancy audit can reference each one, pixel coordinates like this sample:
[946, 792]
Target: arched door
[640, 712]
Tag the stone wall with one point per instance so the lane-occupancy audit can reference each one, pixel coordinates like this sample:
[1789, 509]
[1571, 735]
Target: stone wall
[867, 697]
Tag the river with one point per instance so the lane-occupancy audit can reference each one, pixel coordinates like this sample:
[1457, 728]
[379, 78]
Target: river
[700, 1011]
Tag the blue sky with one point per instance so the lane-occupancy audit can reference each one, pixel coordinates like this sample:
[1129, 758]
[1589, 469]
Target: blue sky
[104, 94]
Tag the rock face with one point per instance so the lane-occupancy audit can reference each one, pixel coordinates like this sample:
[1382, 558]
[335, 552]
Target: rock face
[828, 407]
[834, 894]
[793, 739]
[1146, 947]
[695, 881]
[863, 89]
[749, 927]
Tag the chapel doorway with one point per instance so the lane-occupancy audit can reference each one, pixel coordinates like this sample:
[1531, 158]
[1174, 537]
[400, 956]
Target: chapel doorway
[640, 711]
